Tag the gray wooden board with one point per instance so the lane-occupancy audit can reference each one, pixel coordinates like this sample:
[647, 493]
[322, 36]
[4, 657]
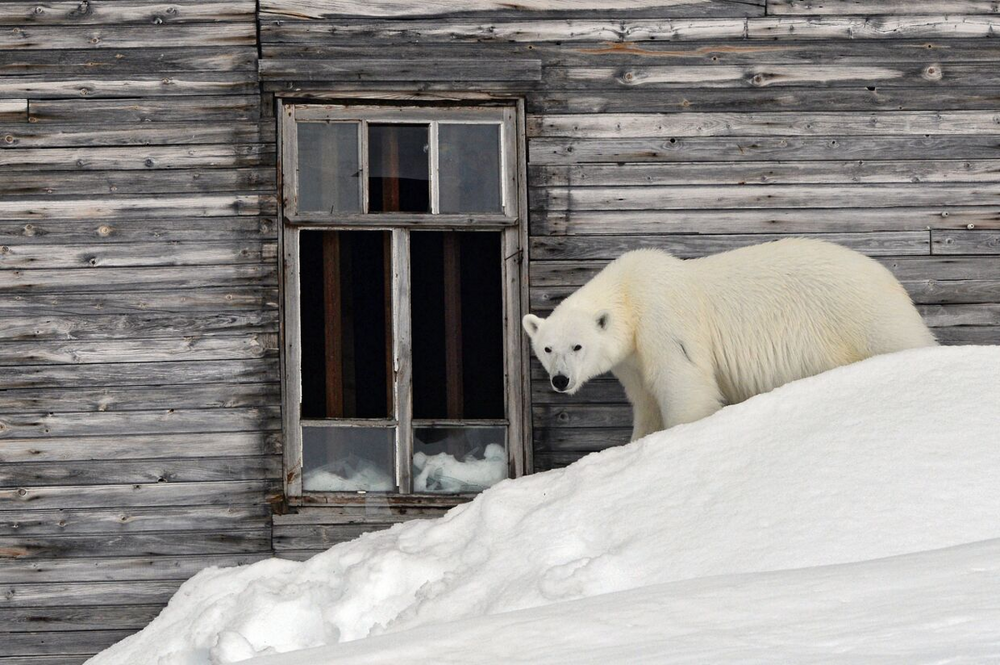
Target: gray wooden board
[135, 398]
[116, 255]
[152, 494]
[45, 425]
[138, 158]
[86, 62]
[100, 472]
[879, 7]
[319, 536]
[142, 446]
[188, 300]
[110, 183]
[253, 370]
[58, 37]
[119, 12]
[200, 108]
[761, 220]
[125, 617]
[759, 148]
[138, 85]
[417, 69]
[87, 593]
[83, 642]
[188, 286]
[58, 135]
[159, 543]
[72, 522]
[218, 347]
[116, 568]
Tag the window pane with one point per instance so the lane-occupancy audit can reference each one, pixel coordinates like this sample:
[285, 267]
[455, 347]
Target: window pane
[344, 459]
[457, 304]
[345, 314]
[458, 459]
[329, 175]
[469, 168]
[398, 165]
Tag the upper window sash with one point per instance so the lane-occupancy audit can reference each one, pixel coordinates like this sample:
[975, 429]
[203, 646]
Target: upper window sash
[502, 116]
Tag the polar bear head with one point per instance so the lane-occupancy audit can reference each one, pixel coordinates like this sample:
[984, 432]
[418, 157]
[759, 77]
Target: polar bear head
[574, 345]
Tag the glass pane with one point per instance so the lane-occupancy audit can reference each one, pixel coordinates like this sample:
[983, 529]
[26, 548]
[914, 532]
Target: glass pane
[345, 321]
[346, 459]
[329, 175]
[469, 168]
[458, 459]
[399, 171]
[457, 303]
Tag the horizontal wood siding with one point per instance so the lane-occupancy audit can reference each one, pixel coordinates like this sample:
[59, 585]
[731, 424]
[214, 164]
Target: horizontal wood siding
[701, 127]
[139, 398]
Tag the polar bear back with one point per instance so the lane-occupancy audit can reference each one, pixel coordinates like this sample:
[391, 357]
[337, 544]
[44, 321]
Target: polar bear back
[764, 315]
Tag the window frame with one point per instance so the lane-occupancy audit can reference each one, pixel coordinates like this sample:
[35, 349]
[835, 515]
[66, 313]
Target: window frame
[509, 115]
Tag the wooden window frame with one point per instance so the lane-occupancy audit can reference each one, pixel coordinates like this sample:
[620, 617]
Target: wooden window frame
[511, 223]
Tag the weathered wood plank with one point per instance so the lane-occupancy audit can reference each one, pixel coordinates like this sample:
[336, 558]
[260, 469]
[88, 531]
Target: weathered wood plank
[680, 197]
[965, 242]
[880, 7]
[137, 158]
[813, 220]
[258, 370]
[202, 229]
[103, 472]
[771, 75]
[168, 543]
[650, 125]
[374, 512]
[43, 425]
[538, 30]
[421, 69]
[61, 280]
[955, 335]
[84, 643]
[116, 569]
[57, 37]
[906, 268]
[30, 620]
[120, 12]
[400, 9]
[70, 522]
[548, 461]
[87, 62]
[87, 593]
[13, 137]
[755, 149]
[579, 441]
[723, 52]
[43, 86]
[201, 108]
[884, 243]
[858, 98]
[877, 27]
[582, 415]
[320, 536]
[156, 494]
[769, 173]
[126, 326]
[134, 254]
[187, 301]
[220, 347]
[144, 446]
[111, 183]
[13, 110]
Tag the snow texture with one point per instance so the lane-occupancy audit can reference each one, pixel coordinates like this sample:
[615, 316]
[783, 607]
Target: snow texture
[896, 455]
[444, 473]
[348, 476]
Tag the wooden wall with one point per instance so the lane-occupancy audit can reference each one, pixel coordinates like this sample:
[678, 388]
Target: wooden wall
[702, 126]
[139, 417]
[139, 403]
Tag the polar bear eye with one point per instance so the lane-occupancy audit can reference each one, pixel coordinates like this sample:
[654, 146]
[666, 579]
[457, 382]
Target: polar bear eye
[548, 349]
[577, 347]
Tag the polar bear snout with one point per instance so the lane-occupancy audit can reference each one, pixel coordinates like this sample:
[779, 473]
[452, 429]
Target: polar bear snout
[560, 382]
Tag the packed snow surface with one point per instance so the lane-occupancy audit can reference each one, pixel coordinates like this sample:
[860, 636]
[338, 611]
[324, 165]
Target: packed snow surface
[895, 455]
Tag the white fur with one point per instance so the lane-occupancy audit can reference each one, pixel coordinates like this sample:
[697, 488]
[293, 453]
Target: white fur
[686, 338]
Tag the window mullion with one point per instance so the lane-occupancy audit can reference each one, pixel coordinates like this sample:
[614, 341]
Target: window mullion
[402, 360]
[433, 171]
[363, 161]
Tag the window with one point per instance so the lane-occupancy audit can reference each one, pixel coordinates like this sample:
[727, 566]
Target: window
[402, 300]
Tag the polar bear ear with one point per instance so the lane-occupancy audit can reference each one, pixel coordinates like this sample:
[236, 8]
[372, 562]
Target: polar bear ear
[603, 319]
[531, 324]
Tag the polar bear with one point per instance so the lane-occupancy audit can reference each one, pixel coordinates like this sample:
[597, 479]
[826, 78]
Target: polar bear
[687, 337]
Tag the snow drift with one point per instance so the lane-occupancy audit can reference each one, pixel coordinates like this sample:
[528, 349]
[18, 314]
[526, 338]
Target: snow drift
[894, 455]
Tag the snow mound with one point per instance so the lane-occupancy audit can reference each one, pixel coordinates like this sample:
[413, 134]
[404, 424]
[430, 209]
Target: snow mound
[930, 607]
[894, 455]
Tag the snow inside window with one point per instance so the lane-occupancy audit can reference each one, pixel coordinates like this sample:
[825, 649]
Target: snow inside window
[451, 460]
[347, 459]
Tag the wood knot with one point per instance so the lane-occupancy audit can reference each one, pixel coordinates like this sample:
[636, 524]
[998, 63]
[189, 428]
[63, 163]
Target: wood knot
[104, 230]
[22, 492]
[932, 73]
[29, 230]
[8, 139]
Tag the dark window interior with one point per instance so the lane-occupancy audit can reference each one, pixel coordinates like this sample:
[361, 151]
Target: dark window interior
[457, 306]
[399, 168]
[345, 316]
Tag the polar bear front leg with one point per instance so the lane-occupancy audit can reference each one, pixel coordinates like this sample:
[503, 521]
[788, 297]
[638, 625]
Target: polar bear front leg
[645, 409]
[684, 392]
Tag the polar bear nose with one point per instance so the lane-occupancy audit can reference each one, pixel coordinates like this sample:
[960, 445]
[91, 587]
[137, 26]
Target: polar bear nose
[560, 381]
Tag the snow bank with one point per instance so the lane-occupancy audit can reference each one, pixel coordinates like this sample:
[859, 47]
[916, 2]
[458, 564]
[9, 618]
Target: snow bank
[931, 607]
[894, 455]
